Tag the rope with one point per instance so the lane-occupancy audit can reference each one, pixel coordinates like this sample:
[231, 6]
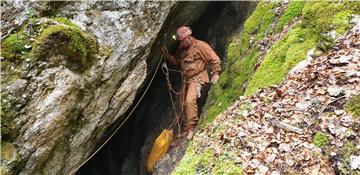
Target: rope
[122, 123]
[166, 71]
[176, 114]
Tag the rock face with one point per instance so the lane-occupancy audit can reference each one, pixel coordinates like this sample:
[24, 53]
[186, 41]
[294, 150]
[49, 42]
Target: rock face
[63, 84]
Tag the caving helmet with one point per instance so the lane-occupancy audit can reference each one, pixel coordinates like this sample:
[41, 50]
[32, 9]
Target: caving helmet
[182, 32]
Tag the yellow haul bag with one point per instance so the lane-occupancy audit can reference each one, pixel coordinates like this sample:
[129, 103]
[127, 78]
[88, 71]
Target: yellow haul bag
[161, 145]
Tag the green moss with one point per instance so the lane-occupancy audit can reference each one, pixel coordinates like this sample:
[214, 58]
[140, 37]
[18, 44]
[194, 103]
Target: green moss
[233, 52]
[341, 21]
[319, 17]
[213, 108]
[244, 43]
[227, 167]
[326, 43]
[353, 106]
[188, 162]
[281, 58]
[348, 149]
[66, 21]
[243, 71]
[206, 163]
[321, 139]
[193, 163]
[263, 30]
[12, 46]
[256, 24]
[67, 40]
[256, 19]
[327, 16]
[294, 9]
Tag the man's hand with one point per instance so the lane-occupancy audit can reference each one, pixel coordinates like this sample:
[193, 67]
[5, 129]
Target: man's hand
[165, 52]
[214, 78]
[171, 59]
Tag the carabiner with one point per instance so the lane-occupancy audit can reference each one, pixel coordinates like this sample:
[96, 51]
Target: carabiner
[164, 68]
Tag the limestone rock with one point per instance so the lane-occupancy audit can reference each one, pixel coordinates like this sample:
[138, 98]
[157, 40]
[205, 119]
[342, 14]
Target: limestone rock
[9, 157]
[354, 162]
[334, 91]
[166, 164]
[62, 113]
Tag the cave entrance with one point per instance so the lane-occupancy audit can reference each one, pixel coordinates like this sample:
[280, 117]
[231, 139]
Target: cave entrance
[127, 151]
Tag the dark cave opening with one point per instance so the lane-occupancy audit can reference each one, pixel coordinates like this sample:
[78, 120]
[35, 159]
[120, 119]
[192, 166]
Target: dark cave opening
[127, 150]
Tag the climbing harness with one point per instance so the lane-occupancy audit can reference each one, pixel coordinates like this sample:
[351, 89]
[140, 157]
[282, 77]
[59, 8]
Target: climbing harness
[122, 123]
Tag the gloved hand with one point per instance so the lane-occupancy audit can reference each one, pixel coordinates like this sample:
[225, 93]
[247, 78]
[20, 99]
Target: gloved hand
[214, 78]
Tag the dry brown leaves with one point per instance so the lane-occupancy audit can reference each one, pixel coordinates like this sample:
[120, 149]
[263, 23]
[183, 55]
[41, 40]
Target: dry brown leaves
[276, 133]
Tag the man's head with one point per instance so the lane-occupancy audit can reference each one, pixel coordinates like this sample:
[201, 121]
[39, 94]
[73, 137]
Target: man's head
[183, 35]
[182, 32]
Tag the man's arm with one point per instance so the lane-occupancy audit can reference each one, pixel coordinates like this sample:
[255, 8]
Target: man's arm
[170, 58]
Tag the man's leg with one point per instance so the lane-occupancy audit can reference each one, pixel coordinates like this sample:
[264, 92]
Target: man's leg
[191, 108]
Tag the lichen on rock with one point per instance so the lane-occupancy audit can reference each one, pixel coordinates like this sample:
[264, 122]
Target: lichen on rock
[75, 78]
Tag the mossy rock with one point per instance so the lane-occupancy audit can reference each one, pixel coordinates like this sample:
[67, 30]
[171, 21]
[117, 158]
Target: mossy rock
[40, 39]
[193, 163]
[9, 158]
[54, 41]
[227, 167]
[9, 129]
[66, 21]
[69, 41]
[205, 162]
[348, 149]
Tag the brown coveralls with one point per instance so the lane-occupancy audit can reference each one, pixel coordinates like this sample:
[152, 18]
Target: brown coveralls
[193, 61]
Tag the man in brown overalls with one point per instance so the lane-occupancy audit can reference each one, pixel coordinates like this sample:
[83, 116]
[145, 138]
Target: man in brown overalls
[193, 55]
